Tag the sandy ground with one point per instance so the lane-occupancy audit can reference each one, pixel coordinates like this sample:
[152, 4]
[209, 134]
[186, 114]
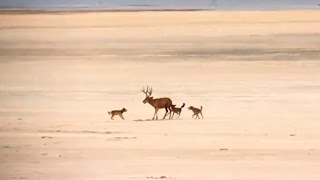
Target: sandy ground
[257, 75]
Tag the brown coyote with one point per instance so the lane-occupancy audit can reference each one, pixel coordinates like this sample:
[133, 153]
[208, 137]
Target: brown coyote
[158, 103]
[196, 111]
[117, 112]
[176, 110]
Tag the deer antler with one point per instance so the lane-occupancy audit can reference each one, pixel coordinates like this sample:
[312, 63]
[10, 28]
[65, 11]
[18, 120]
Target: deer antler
[142, 90]
[147, 92]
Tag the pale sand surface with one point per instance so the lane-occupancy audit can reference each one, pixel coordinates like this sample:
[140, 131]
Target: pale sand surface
[257, 75]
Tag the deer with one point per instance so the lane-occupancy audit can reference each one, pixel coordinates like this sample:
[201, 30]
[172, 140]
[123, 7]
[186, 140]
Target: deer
[177, 110]
[196, 111]
[117, 112]
[157, 103]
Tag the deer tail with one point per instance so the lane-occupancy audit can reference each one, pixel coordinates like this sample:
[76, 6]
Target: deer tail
[183, 105]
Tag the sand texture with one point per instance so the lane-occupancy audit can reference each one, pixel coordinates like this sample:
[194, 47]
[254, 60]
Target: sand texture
[256, 74]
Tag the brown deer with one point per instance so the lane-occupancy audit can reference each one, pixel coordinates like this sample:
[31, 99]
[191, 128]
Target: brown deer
[117, 112]
[196, 111]
[157, 103]
[176, 110]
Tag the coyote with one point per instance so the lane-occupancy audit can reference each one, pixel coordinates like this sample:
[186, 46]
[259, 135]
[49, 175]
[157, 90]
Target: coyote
[196, 111]
[117, 112]
[176, 110]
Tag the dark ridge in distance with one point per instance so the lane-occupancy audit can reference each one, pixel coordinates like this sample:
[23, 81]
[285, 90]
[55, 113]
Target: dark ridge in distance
[87, 10]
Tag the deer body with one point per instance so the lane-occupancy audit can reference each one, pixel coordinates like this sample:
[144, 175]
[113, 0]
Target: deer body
[158, 103]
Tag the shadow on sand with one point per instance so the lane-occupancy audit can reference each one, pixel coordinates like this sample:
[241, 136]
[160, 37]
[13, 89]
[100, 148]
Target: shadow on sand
[150, 120]
[77, 132]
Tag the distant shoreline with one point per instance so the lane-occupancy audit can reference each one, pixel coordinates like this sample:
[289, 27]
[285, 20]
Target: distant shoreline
[87, 10]
[91, 10]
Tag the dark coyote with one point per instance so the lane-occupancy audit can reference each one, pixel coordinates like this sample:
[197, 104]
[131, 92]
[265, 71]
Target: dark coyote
[117, 112]
[196, 112]
[176, 110]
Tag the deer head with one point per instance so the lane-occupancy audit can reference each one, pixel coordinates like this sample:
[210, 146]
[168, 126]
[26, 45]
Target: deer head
[148, 93]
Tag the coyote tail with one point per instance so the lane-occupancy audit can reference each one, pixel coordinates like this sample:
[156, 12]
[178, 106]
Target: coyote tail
[183, 105]
[109, 112]
[201, 108]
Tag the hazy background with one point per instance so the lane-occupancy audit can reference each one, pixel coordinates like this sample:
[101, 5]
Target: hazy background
[163, 4]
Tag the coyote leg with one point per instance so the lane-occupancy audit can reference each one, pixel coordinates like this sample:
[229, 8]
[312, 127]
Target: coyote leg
[171, 116]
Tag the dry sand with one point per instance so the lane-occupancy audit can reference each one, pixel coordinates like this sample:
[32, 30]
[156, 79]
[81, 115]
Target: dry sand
[257, 75]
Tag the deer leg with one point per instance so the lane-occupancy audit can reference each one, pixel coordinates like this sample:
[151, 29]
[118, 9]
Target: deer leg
[155, 110]
[170, 115]
[171, 111]
[155, 114]
[166, 113]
